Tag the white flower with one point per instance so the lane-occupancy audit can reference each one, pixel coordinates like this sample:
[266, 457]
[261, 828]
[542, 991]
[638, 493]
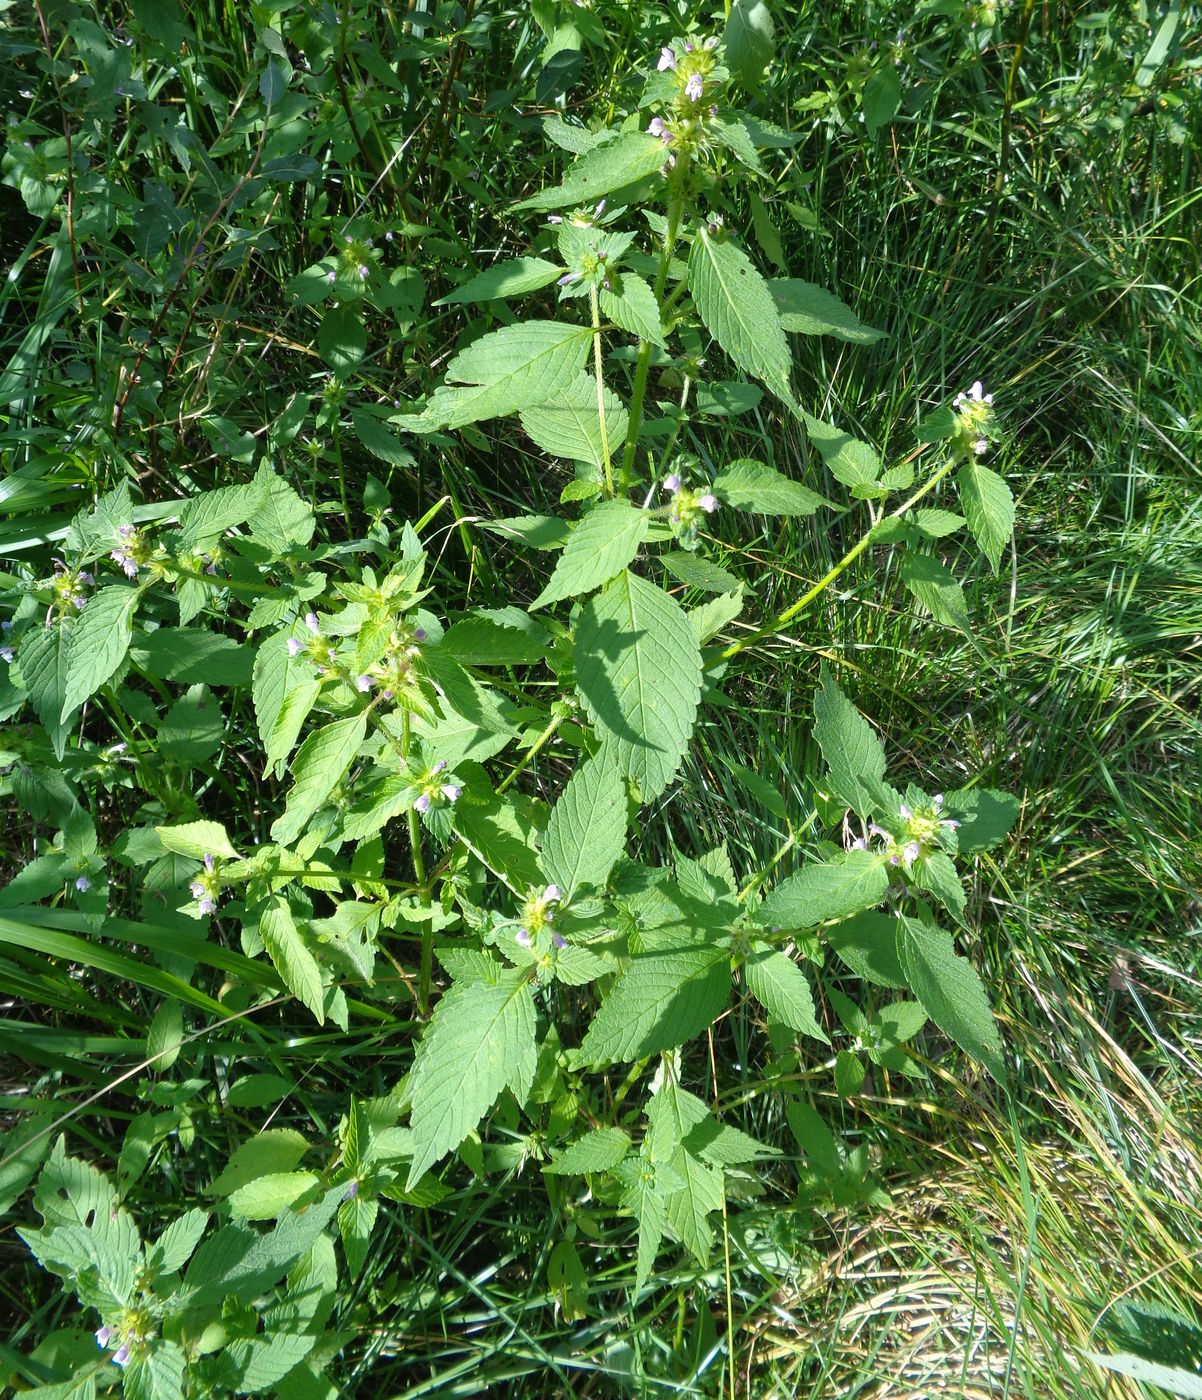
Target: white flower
[694, 88]
[672, 483]
[295, 646]
[667, 59]
[423, 803]
[708, 502]
[312, 623]
[522, 938]
[655, 127]
[452, 792]
[552, 894]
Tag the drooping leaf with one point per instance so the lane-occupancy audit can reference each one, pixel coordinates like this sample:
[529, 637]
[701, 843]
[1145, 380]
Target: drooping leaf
[638, 671]
[480, 1041]
[936, 588]
[808, 309]
[737, 308]
[852, 751]
[988, 507]
[42, 663]
[273, 1150]
[283, 690]
[848, 460]
[197, 839]
[749, 41]
[342, 337]
[751, 485]
[781, 988]
[508, 370]
[293, 960]
[321, 763]
[881, 98]
[949, 988]
[611, 165]
[379, 441]
[867, 943]
[985, 817]
[600, 547]
[99, 642]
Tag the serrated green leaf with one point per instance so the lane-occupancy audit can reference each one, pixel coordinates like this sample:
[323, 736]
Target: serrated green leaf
[850, 461]
[985, 817]
[598, 1151]
[342, 338]
[699, 572]
[646, 1188]
[936, 588]
[155, 1372]
[273, 1150]
[710, 617]
[867, 943]
[379, 441]
[495, 832]
[728, 398]
[517, 367]
[207, 517]
[506, 279]
[600, 547]
[751, 485]
[197, 839]
[480, 1041]
[749, 41]
[268, 1196]
[936, 873]
[807, 309]
[737, 309]
[496, 640]
[99, 642]
[659, 1002]
[824, 890]
[1174, 1379]
[638, 671]
[988, 507]
[781, 988]
[631, 304]
[320, 765]
[256, 1364]
[570, 426]
[173, 1248]
[881, 98]
[852, 751]
[611, 165]
[356, 1220]
[189, 655]
[42, 665]
[283, 690]
[586, 833]
[293, 960]
[951, 992]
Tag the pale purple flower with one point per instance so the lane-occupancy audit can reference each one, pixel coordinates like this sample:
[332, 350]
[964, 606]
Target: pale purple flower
[331, 276]
[979, 446]
[708, 502]
[388, 236]
[558, 941]
[555, 218]
[363, 271]
[312, 623]
[295, 646]
[363, 684]
[711, 42]
[552, 894]
[102, 1336]
[440, 766]
[83, 884]
[859, 844]
[121, 1355]
[369, 243]
[452, 792]
[656, 127]
[419, 634]
[694, 88]
[672, 483]
[7, 653]
[522, 938]
[937, 801]
[423, 803]
[208, 861]
[667, 59]
[911, 852]
[351, 1191]
[197, 889]
[904, 811]
[567, 279]
[207, 905]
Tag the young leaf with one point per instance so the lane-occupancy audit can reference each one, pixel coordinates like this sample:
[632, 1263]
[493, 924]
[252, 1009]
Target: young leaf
[321, 763]
[506, 279]
[480, 1040]
[852, 751]
[646, 1188]
[951, 991]
[825, 890]
[569, 425]
[850, 461]
[736, 306]
[781, 988]
[989, 508]
[99, 641]
[587, 830]
[293, 960]
[514, 368]
[936, 589]
[600, 547]
[273, 1150]
[638, 671]
[611, 165]
[379, 441]
[659, 1002]
[751, 485]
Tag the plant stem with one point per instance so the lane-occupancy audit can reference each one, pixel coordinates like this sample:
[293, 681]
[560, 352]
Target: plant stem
[609, 476]
[426, 971]
[642, 368]
[784, 618]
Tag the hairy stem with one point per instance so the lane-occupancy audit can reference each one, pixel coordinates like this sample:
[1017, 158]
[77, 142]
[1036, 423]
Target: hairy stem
[609, 476]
